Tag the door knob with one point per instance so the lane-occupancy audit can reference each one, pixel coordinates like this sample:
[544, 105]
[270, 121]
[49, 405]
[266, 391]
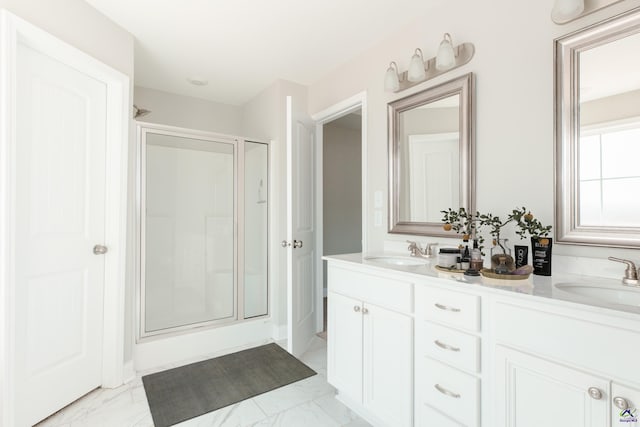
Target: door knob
[285, 244]
[297, 244]
[100, 249]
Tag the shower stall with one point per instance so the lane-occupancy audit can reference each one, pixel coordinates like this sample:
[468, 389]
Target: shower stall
[203, 219]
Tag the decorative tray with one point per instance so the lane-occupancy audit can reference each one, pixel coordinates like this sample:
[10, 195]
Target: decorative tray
[448, 270]
[485, 272]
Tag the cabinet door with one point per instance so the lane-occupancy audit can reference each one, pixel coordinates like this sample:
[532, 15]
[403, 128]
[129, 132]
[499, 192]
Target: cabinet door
[344, 346]
[534, 392]
[388, 365]
[624, 406]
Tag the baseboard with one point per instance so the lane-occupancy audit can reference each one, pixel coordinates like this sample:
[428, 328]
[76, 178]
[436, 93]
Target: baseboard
[128, 372]
[279, 332]
[197, 345]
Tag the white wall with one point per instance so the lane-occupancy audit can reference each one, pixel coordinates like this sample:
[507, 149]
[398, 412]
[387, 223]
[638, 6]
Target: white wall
[513, 66]
[611, 108]
[188, 112]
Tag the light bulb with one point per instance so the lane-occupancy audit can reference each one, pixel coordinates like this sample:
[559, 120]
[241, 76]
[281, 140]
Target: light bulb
[416, 71]
[446, 57]
[391, 81]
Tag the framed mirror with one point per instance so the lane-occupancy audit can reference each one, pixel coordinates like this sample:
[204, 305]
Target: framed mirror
[597, 135]
[431, 157]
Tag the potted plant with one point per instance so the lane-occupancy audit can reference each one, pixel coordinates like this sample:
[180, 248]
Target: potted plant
[541, 244]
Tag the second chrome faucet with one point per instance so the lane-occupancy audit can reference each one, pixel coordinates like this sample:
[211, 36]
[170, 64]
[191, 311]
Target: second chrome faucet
[415, 249]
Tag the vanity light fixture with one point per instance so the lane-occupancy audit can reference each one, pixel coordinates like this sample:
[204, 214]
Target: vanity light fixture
[416, 72]
[446, 57]
[449, 57]
[566, 10]
[391, 80]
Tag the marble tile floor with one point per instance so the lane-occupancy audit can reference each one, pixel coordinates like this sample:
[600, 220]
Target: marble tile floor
[308, 403]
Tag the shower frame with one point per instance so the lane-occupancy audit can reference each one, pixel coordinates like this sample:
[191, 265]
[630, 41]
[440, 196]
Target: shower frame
[238, 143]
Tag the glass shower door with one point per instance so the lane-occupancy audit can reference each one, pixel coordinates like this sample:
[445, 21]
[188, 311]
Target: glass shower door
[188, 256]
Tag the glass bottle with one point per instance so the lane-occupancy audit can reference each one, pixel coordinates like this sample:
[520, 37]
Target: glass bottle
[500, 249]
[501, 268]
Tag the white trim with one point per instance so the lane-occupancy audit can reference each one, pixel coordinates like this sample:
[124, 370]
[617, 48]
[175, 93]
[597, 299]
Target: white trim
[342, 108]
[14, 30]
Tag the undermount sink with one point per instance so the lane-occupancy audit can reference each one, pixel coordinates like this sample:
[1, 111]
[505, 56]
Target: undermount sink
[397, 260]
[622, 295]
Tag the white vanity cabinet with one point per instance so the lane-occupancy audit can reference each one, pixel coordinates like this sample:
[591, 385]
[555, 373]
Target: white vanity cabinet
[558, 367]
[447, 357]
[370, 344]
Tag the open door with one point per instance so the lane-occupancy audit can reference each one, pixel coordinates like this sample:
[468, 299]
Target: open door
[301, 228]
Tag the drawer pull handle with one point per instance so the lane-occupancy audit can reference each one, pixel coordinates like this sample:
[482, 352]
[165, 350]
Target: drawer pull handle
[447, 308]
[446, 346]
[447, 392]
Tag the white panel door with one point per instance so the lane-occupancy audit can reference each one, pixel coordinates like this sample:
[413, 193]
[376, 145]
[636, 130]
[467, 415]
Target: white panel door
[300, 233]
[434, 161]
[534, 392]
[59, 217]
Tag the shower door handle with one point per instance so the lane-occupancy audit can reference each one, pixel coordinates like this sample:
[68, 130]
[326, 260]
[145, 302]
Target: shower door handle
[297, 244]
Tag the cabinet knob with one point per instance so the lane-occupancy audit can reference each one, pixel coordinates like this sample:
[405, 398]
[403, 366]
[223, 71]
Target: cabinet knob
[365, 310]
[595, 393]
[621, 402]
[297, 244]
[356, 308]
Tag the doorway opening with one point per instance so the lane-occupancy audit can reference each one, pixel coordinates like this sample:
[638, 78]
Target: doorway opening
[342, 190]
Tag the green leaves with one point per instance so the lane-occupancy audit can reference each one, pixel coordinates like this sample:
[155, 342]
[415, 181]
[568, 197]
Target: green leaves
[527, 224]
[469, 225]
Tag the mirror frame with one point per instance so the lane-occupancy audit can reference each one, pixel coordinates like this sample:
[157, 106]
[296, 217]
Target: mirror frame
[463, 86]
[567, 132]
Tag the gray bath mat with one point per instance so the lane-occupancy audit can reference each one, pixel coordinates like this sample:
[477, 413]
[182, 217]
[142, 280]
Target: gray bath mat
[186, 392]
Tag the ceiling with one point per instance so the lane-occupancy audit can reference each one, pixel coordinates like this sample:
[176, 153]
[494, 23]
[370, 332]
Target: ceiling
[242, 46]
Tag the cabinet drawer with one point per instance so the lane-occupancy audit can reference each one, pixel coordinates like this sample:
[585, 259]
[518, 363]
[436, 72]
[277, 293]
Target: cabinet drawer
[383, 291]
[426, 416]
[449, 307]
[450, 346]
[586, 344]
[452, 392]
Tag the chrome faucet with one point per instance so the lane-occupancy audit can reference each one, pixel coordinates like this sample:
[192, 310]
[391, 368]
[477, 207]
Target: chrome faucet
[630, 273]
[415, 249]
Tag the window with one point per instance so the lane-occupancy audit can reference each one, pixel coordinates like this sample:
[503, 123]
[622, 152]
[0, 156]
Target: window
[609, 175]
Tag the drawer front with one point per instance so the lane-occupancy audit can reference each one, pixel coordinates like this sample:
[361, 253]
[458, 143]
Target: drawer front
[450, 391]
[426, 416]
[448, 307]
[450, 346]
[383, 291]
[581, 343]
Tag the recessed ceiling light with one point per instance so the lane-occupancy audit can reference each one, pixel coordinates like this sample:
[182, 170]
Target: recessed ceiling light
[197, 81]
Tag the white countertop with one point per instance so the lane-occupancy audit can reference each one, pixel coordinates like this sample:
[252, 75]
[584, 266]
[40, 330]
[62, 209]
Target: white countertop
[536, 286]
